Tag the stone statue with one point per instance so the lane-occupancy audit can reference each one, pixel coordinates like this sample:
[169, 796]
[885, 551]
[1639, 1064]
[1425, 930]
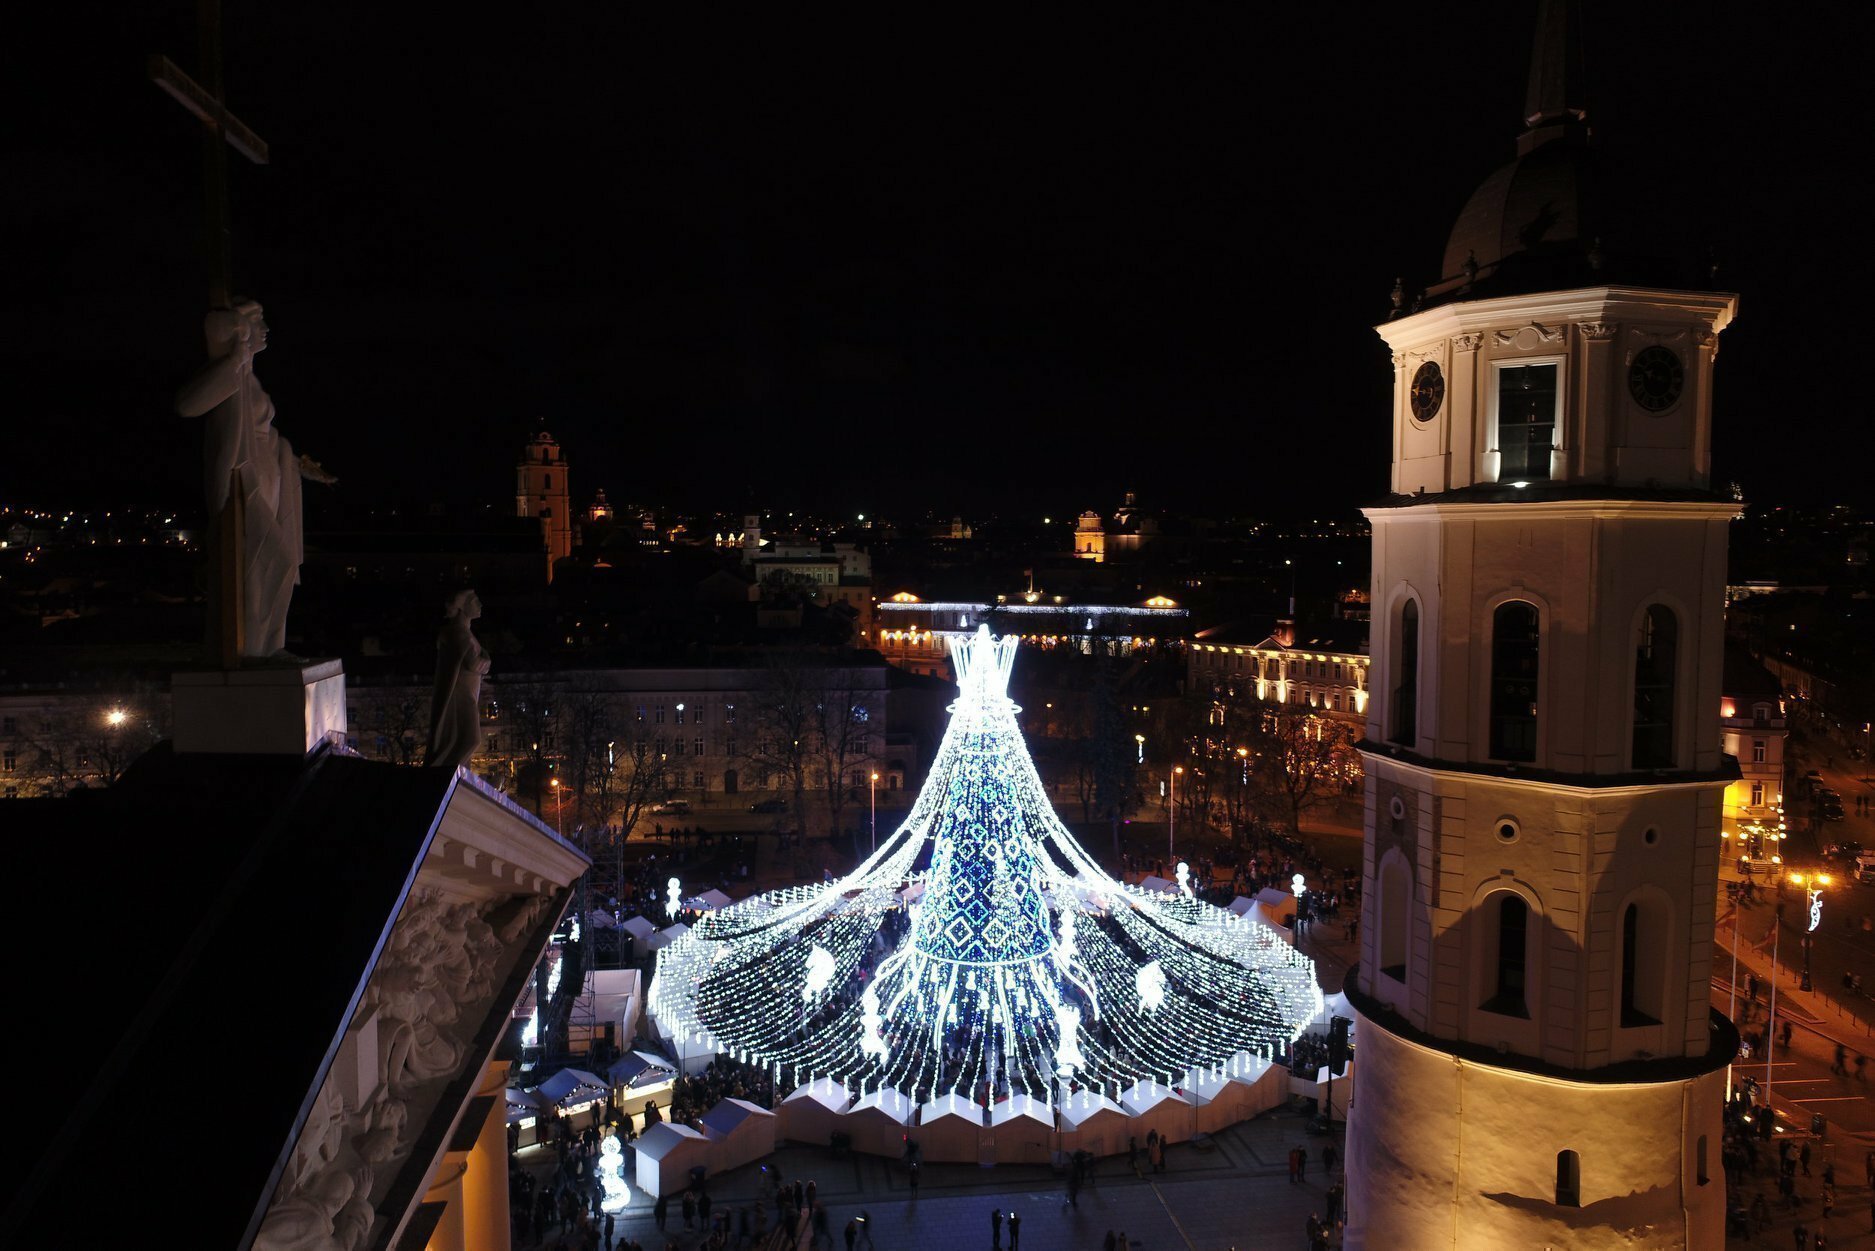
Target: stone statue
[456, 705]
[250, 465]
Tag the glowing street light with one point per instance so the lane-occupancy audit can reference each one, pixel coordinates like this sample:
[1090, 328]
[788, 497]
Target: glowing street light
[1141, 740]
[875, 809]
[1171, 820]
[559, 806]
[116, 716]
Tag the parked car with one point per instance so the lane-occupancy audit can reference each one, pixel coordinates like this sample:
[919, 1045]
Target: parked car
[1832, 811]
[676, 807]
[1843, 851]
[769, 805]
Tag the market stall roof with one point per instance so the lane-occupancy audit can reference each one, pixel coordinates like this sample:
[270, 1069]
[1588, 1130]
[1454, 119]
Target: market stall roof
[1019, 1107]
[639, 926]
[666, 936]
[663, 1138]
[823, 1090]
[1159, 884]
[570, 1086]
[723, 1119]
[709, 900]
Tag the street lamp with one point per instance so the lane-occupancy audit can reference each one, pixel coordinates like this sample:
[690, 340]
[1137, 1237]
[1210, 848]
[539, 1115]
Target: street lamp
[1141, 740]
[1816, 919]
[875, 809]
[116, 717]
[1171, 820]
[559, 804]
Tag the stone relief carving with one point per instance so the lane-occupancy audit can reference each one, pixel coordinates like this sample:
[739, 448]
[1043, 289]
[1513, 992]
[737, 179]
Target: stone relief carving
[1467, 342]
[1597, 331]
[1523, 338]
[435, 980]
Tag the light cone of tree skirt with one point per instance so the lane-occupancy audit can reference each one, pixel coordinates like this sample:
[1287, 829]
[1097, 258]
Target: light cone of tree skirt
[1021, 966]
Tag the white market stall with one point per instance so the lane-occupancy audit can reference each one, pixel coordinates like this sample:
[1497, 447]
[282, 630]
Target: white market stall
[524, 1116]
[666, 936]
[1154, 1105]
[950, 1130]
[1092, 1122]
[813, 1112]
[709, 901]
[1024, 1130]
[878, 1122]
[666, 1155]
[739, 1132]
[640, 929]
[574, 1092]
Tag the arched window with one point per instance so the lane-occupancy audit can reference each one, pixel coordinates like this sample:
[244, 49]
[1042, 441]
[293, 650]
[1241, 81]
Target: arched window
[1641, 941]
[1568, 1179]
[1514, 636]
[1406, 682]
[1655, 653]
[1508, 926]
[1395, 913]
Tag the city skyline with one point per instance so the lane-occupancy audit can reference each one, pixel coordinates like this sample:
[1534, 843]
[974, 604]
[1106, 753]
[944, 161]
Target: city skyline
[788, 268]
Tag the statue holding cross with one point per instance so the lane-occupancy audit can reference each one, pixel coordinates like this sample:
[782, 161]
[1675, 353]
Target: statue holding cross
[252, 475]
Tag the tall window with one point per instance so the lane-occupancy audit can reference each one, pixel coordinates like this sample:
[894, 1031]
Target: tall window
[1526, 421]
[1507, 969]
[1513, 681]
[1406, 687]
[1757, 794]
[1757, 751]
[1640, 971]
[1655, 653]
[1568, 1179]
[1395, 905]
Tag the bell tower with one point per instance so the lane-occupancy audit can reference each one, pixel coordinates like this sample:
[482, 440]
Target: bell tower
[1538, 1060]
[540, 490]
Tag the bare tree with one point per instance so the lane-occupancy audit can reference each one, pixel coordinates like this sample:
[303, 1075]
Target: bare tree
[1303, 757]
[779, 732]
[92, 740]
[843, 735]
[394, 723]
[528, 709]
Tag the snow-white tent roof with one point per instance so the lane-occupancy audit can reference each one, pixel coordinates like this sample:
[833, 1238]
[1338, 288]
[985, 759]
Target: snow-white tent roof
[640, 927]
[709, 900]
[1144, 1096]
[1241, 905]
[1153, 882]
[1083, 1106]
[950, 1105]
[571, 1086]
[1022, 1107]
[825, 1091]
[723, 1119]
[666, 936]
[887, 1102]
[664, 1137]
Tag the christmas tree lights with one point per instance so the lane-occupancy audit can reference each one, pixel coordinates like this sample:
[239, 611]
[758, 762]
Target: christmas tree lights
[981, 951]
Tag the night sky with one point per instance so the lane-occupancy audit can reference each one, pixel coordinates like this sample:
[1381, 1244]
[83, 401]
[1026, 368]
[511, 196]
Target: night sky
[926, 260]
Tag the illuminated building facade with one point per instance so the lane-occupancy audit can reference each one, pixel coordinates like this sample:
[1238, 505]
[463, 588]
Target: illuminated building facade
[916, 634]
[1321, 666]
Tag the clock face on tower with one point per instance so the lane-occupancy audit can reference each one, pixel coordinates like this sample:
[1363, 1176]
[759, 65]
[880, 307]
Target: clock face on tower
[1655, 378]
[1427, 392]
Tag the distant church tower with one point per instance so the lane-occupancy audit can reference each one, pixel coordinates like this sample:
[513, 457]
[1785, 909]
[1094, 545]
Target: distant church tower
[1538, 1062]
[540, 490]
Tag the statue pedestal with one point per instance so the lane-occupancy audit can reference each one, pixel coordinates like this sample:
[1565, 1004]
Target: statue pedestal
[272, 708]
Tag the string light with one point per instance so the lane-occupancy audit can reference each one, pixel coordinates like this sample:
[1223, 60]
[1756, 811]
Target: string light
[980, 948]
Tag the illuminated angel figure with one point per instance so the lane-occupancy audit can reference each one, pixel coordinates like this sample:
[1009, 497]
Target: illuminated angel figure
[1184, 880]
[673, 897]
[985, 944]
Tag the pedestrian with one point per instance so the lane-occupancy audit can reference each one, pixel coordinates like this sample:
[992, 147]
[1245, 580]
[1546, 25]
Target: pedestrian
[1015, 1230]
[1158, 1155]
[1829, 1200]
[911, 1174]
[1804, 1157]
[1293, 1167]
[1783, 1034]
[703, 1208]
[996, 1229]
[1107, 1243]
[852, 1234]
[1800, 1235]
[690, 1210]
[1302, 1164]
[661, 1210]
[608, 1231]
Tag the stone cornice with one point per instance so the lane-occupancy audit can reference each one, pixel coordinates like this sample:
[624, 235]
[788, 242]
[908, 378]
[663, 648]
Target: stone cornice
[1601, 305]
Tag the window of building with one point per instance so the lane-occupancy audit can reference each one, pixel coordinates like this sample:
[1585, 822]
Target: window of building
[1655, 656]
[1406, 669]
[696, 780]
[1757, 751]
[1568, 1180]
[9, 761]
[680, 714]
[1526, 422]
[698, 744]
[641, 713]
[729, 714]
[1507, 925]
[13, 792]
[546, 482]
[494, 744]
[9, 725]
[729, 746]
[1395, 902]
[658, 714]
[1757, 794]
[1514, 643]
[1640, 973]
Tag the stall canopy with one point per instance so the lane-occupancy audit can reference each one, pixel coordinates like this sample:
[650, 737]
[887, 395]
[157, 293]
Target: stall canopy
[640, 1068]
[1158, 884]
[666, 936]
[666, 1154]
[812, 1113]
[1241, 905]
[521, 1105]
[708, 901]
[571, 1087]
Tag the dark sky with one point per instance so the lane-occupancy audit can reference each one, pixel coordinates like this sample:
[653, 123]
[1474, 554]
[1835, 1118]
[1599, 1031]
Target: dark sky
[930, 259]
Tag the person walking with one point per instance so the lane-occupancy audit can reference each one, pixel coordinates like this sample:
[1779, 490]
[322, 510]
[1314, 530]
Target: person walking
[690, 1209]
[703, 1209]
[1015, 1230]
[996, 1229]
[661, 1210]
[1302, 1164]
[1803, 1157]
[911, 1176]
[1294, 1168]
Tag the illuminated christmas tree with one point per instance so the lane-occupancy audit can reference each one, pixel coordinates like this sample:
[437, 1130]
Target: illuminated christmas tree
[981, 950]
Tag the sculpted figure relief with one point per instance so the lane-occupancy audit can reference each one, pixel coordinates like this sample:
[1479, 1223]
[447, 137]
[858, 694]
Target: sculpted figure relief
[456, 706]
[248, 462]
